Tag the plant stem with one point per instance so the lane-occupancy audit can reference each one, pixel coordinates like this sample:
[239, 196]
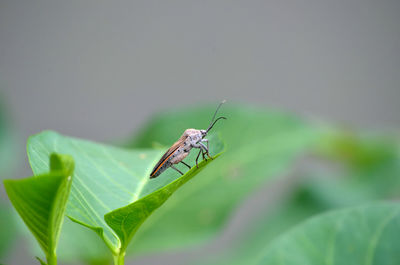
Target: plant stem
[119, 258]
[51, 259]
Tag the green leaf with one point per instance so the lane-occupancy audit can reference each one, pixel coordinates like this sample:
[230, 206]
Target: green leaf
[356, 182]
[260, 145]
[360, 150]
[107, 178]
[76, 245]
[362, 235]
[41, 202]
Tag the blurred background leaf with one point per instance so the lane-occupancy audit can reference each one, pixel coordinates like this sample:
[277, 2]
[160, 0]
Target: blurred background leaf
[361, 235]
[346, 168]
[8, 229]
[370, 165]
[8, 162]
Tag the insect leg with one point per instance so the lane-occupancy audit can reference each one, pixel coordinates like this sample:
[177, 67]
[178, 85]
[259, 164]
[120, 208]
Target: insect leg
[176, 169]
[208, 148]
[186, 164]
[197, 158]
[205, 149]
[202, 153]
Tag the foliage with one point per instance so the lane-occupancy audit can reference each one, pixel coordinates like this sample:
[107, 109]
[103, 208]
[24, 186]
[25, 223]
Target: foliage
[361, 235]
[346, 179]
[41, 202]
[111, 192]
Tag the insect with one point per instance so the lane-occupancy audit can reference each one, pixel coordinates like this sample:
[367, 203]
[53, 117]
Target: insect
[191, 138]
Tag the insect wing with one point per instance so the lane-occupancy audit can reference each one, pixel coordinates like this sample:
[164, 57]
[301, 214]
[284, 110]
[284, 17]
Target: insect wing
[168, 153]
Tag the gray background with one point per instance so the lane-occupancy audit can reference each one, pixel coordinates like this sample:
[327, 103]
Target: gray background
[98, 69]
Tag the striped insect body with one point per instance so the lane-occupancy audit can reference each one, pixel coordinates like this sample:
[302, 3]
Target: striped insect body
[191, 138]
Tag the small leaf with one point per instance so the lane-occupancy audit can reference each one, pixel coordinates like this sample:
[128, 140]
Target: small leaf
[107, 178]
[41, 201]
[362, 235]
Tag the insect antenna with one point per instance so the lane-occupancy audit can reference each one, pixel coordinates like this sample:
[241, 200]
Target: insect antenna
[209, 128]
[215, 114]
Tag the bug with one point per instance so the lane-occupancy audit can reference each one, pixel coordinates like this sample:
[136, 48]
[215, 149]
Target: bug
[191, 138]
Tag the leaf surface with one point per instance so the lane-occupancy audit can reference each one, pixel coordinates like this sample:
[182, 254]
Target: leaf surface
[41, 201]
[362, 235]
